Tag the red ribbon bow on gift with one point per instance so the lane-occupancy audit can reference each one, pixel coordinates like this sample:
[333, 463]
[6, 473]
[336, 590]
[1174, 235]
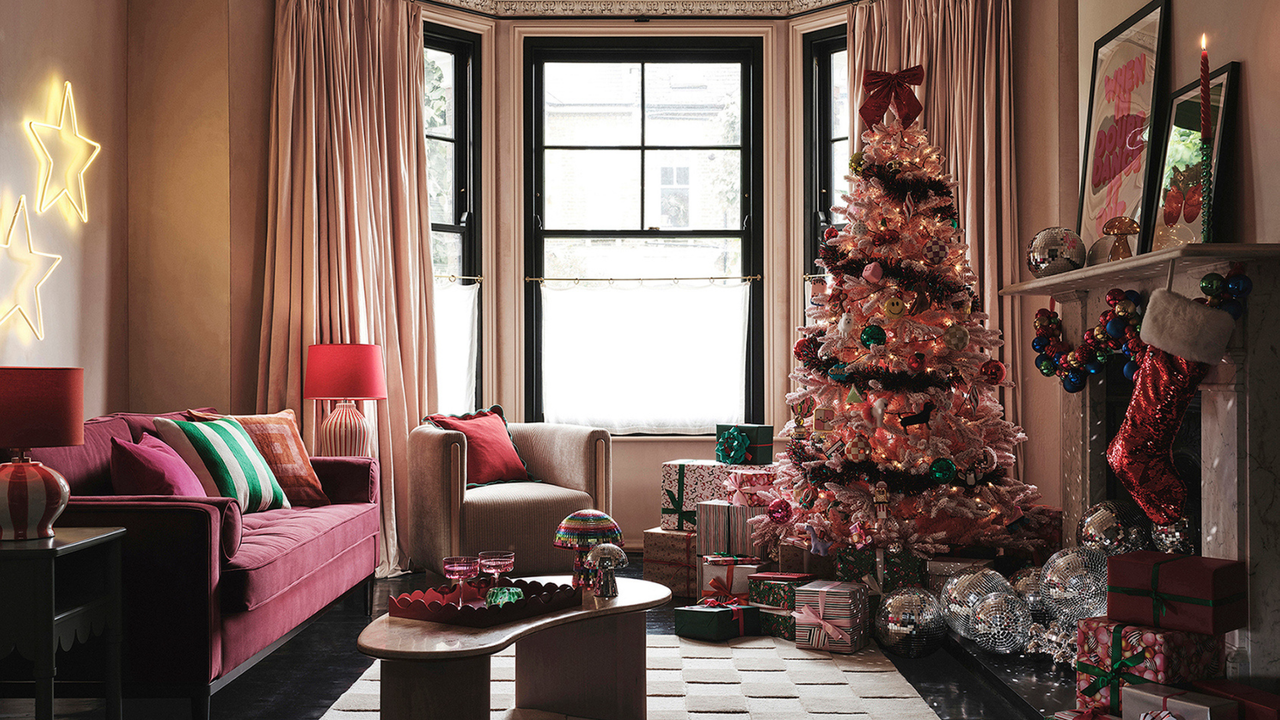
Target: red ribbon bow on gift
[883, 88]
[720, 590]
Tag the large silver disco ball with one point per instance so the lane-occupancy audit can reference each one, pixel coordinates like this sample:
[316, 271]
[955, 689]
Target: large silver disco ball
[1074, 583]
[1115, 527]
[1177, 537]
[1055, 250]
[1026, 582]
[910, 623]
[962, 592]
[1001, 623]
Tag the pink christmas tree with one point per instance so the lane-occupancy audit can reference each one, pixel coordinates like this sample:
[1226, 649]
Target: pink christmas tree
[898, 440]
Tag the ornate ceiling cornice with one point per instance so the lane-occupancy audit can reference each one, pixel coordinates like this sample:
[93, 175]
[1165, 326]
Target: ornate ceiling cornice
[642, 8]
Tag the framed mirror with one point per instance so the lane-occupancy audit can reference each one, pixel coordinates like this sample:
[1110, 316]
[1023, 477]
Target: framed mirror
[1177, 219]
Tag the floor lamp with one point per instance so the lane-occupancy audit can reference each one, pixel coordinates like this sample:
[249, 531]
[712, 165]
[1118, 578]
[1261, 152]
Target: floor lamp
[345, 373]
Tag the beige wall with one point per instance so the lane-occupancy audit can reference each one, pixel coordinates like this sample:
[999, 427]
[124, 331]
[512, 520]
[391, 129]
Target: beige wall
[42, 45]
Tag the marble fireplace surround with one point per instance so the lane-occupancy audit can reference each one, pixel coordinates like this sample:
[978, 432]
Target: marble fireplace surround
[1239, 434]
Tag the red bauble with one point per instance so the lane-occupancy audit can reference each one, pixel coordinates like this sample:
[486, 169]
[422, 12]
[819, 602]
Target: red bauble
[830, 233]
[992, 372]
[1114, 295]
[779, 511]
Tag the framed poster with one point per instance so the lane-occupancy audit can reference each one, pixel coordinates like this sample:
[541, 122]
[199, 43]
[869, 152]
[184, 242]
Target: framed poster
[1176, 220]
[1123, 118]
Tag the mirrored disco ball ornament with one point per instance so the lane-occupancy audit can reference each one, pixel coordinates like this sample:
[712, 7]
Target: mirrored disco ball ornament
[1179, 537]
[1026, 582]
[962, 592]
[1001, 623]
[1114, 527]
[1055, 250]
[1074, 583]
[910, 623]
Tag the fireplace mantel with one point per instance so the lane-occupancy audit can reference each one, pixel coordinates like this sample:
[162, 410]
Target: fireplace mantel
[1240, 438]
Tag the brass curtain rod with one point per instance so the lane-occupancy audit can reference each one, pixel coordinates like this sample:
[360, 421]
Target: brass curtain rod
[675, 280]
[455, 278]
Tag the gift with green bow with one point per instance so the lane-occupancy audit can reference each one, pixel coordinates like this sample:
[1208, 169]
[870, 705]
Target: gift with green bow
[744, 444]
[1180, 592]
[1111, 655]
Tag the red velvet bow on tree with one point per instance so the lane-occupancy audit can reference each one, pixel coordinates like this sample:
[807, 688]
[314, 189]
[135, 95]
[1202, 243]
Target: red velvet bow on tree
[883, 88]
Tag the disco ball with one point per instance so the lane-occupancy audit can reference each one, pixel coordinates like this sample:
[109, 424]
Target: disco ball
[910, 623]
[962, 592]
[1055, 250]
[1001, 623]
[1026, 583]
[1114, 527]
[1074, 583]
[1178, 537]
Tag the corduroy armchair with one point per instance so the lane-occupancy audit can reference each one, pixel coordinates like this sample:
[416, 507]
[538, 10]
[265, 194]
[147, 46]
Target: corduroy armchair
[444, 518]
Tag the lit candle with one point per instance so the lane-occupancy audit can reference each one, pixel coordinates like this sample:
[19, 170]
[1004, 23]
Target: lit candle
[1206, 128]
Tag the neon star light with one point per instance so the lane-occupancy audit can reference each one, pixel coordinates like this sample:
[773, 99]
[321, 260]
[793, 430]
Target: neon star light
[74, 153]
[24, 297]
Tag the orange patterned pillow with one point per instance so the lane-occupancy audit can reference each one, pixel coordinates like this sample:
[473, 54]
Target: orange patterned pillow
[276, 437]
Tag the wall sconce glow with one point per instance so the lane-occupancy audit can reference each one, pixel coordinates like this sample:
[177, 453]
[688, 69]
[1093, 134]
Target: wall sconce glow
[74, 152]
[23, 297]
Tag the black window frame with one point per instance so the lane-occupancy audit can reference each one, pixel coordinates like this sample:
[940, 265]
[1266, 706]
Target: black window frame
[818, 47]
[749, 51]
[467, 220]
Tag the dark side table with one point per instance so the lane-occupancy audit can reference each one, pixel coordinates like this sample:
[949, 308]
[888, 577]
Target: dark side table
[56, 590]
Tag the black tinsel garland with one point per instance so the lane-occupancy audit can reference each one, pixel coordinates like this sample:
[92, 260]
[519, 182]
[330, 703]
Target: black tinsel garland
[918, 188]
[935, 284]
[898, 481]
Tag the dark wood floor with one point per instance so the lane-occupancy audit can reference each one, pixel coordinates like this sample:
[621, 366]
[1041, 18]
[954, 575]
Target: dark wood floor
[302, 679]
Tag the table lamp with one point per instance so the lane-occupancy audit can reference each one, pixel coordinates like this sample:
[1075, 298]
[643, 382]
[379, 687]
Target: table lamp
[39, 407]
[582, 531]
[345, 373]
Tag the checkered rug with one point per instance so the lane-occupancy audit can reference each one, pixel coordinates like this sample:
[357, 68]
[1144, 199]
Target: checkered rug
[753, 678]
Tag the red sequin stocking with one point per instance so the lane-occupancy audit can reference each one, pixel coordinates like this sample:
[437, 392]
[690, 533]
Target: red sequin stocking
[1141, 453]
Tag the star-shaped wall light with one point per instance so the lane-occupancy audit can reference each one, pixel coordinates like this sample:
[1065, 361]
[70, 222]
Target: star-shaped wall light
[64, 156]
[23, 271]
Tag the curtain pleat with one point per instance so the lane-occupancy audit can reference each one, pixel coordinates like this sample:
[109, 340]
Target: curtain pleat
[965, 47]
[347, 238]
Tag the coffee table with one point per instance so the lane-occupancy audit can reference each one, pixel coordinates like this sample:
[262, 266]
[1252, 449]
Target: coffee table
[586, 661]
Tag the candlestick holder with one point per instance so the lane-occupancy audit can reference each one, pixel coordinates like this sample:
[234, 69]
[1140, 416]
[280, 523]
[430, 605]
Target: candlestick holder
[1206, 190]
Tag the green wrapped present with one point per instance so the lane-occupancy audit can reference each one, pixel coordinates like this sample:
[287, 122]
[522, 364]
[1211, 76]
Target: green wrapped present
[853, 564]
[891, 570]
[778, 623]
[744, 444]
[717, 621]
[776, 590]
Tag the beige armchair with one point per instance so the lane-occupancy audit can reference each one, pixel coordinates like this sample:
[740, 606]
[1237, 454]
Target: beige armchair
[443, 518]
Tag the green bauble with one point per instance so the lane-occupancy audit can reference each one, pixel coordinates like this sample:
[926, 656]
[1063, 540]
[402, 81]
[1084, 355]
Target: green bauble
[942, 470]
[1211, 284]
[873, 335]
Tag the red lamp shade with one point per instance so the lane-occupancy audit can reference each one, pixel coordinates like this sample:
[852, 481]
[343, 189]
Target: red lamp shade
[41, 407]
[344, 372]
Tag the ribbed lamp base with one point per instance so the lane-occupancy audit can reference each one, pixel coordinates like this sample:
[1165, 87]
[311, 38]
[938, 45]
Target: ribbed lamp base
[345, 433]
[32, 496]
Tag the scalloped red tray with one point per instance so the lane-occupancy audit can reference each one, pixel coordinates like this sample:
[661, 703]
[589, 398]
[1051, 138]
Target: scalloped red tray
[440, 604]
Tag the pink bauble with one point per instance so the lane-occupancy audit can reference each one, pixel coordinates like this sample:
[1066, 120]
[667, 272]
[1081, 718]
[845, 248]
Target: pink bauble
[779, 511]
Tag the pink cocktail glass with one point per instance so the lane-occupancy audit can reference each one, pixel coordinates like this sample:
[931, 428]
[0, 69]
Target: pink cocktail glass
[496, 562]
[461, 568]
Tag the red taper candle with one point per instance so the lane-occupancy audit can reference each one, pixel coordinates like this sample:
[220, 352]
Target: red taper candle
[1206, 127]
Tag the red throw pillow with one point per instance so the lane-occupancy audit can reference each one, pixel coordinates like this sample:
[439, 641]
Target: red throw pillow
[151, 468]
[491, 455]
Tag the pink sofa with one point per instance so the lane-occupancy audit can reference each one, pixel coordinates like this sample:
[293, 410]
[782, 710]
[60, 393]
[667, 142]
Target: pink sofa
[209, 591]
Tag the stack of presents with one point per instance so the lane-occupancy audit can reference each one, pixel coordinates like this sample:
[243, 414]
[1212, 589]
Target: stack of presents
[1160, 651]
[703, 550]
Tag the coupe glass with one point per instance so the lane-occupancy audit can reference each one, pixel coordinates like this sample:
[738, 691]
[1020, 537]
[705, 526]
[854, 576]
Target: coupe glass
[497, 562]
[461, 568]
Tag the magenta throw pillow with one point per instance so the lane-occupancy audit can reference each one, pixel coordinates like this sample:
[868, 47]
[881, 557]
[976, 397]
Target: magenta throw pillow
[151, 468]
[491, 455]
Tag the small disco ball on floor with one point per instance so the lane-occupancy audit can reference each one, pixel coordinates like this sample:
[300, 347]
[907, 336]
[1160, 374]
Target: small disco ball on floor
[910, 623]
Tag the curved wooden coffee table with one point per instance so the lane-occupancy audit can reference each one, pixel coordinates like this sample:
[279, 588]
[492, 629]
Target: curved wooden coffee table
[586, 661]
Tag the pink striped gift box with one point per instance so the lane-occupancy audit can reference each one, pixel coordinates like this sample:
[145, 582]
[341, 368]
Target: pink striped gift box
[827, 609]
[724, 528]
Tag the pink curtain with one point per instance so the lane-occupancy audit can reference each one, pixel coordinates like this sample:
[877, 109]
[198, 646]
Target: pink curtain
[966, 48]
[348, 251]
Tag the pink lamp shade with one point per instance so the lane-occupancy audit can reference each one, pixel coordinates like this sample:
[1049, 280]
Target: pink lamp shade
[344, 372]
[39, 407]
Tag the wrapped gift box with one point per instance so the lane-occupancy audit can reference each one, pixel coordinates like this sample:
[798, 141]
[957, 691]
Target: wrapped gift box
[725, 581]
[702, 622]
[1152, 698]
[778, 623]
[1254, 704]
[754, 444]
[724, 528]
[891, 570]
[775, 590]
[852, 564]
[670, 560]
[826, 604]
[685, 483]
[1110, 655]
[743, 485]
[942, 569]
[793, 558]
[1181, 592]
[1073, 714]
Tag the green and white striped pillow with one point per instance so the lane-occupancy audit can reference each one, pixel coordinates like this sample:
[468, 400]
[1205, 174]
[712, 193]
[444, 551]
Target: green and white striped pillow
[223, 456]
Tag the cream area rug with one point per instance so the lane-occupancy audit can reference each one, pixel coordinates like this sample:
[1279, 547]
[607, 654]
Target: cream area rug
[752, 678]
